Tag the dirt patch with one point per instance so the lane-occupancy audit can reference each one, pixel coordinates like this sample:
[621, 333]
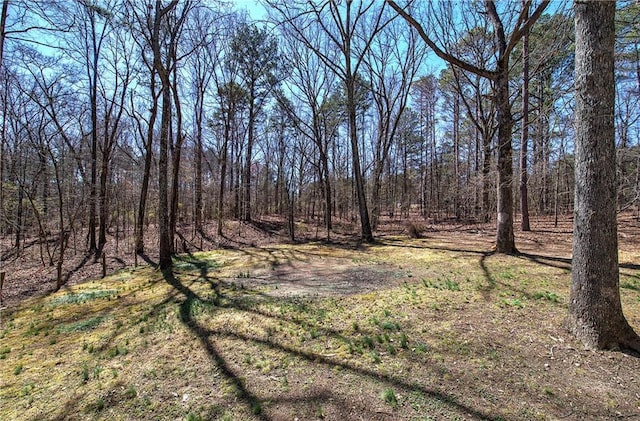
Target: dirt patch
[329, 277]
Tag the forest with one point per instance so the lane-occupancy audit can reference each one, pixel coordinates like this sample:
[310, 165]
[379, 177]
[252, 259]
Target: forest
[276, 163]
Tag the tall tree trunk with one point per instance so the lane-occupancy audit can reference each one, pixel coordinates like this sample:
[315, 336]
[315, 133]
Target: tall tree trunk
[505, 242]
[199, 111]
[163, 182]
[165, 120]
[19, 210]
[524, 194]
[144, 189]
[246, 202]
[456, 155]
[3, 21]
[595, 310]
[365, 224]
[94, 157]
[328, 195]
[104, 200]
[146, 176]
[177, 154]
[223, 175]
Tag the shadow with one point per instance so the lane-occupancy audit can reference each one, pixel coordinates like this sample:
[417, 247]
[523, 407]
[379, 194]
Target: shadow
[187, 245]
[79, 266]
[203, 335]
[491, 281]
[565, 262]
[207, 337]
[148, 259]
[267, 227]
[119, 261]
[551, 261]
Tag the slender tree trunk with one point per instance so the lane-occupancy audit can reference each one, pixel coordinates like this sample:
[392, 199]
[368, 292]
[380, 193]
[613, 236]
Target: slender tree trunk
[163, 185]
[246, 208]
[144, 193]
[198, 158]
[3, 21]
[94, 162]
[486, 170]
[146, 176]
[223, 175]
[524, 194]
[365, 225]
[456, 155]
[328, 195]
[19, 209]
[104, 200]
[595, 310]
[223, 170]
[177, 154]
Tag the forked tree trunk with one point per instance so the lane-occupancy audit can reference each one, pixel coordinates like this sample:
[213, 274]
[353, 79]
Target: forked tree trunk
[595, 311]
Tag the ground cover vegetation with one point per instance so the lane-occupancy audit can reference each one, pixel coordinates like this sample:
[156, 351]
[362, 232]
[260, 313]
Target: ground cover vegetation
[430, 328]
[311, 209]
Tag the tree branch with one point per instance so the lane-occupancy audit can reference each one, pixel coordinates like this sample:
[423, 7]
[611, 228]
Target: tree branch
[437, 50]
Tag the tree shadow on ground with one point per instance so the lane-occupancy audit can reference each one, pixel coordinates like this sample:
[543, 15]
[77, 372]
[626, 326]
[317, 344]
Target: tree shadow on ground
[207, 337]
[189, 298]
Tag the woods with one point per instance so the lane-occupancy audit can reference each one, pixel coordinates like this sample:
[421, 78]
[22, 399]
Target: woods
[125, 122]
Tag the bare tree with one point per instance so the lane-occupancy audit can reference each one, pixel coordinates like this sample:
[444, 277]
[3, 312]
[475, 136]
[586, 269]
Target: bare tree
[163, 70]
[312, 85]
[392, 63]
[524, 193]
[348, 30]
[505, 42]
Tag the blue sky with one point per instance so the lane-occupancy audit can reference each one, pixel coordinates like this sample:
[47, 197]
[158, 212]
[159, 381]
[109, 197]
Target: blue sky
[253, 7]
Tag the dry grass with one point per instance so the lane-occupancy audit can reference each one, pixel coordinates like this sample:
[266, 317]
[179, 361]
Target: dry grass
[431, 328]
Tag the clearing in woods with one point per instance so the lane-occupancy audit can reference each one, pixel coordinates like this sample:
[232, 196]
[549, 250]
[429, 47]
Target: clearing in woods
[428, 328]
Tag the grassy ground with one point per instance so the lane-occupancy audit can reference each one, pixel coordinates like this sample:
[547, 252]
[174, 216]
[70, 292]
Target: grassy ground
[433, 328]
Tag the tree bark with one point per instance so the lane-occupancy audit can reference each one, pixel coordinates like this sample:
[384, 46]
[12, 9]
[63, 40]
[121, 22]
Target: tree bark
[505, 242]
[246, 182]
[148, 159]
[524, 193]
[595, 310]
[365, 224]
[177, 154]
[198, 115]
[163, 167]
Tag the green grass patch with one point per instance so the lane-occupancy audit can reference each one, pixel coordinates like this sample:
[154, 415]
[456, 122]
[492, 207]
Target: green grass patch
[444, 284]
[633, 286]
[18, 369]
[83, 296]
[4, 351]
[181, 263]
[390, 398]
[81, 325]
[546, 295]
[511, 302]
